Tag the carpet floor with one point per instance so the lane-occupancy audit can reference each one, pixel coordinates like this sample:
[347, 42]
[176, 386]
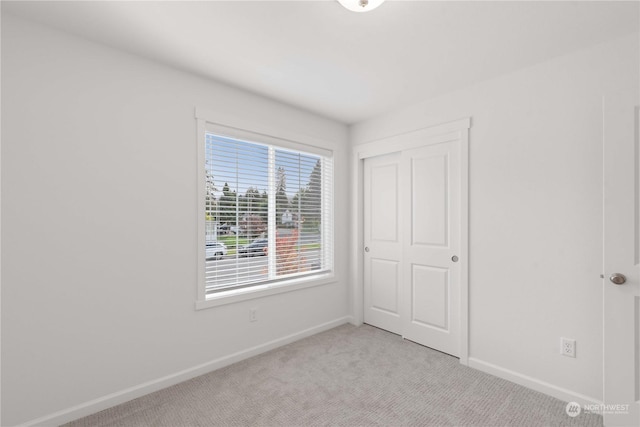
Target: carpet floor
[347, 376]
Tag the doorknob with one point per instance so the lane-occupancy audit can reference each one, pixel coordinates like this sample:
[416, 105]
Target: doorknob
[366, 249]
[618, 279]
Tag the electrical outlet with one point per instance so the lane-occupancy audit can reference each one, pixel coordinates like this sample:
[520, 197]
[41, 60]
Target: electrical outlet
[253, 315]
[568, 347]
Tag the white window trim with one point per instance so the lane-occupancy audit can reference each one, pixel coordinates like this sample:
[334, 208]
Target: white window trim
[267, 289]
[239, 128]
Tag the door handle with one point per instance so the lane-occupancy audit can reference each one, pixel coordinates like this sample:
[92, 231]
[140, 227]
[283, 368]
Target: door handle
[618, 279]
[366, 249]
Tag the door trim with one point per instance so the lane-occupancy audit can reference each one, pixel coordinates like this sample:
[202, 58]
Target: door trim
[449, 131]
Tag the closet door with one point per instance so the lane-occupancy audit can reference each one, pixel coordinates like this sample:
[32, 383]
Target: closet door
[430, 200]
[382, 238]
[415, 239]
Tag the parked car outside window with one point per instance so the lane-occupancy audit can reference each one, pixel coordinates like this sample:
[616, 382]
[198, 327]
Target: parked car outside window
[255, 248]
[215, 250]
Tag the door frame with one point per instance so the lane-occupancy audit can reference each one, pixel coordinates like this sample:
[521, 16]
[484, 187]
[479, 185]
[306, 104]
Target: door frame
[449, 131]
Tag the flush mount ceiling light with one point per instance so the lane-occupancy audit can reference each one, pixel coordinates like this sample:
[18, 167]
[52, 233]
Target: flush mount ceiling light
[360, 5]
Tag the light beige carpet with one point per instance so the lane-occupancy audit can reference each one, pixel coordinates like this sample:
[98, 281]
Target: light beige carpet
[348, 376]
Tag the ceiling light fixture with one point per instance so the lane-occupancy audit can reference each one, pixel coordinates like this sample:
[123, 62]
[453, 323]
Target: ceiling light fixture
[360, 5]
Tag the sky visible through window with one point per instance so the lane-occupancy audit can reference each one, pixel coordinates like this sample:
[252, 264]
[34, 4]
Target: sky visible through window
[243, 165]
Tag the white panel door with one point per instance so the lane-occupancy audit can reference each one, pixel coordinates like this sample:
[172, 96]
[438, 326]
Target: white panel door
[382, 234]
[621, 258]
[431, 246]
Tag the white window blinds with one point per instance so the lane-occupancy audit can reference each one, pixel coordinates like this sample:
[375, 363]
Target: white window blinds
[268, 213]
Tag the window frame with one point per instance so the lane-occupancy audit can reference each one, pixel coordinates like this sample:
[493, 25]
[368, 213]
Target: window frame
[208, 122]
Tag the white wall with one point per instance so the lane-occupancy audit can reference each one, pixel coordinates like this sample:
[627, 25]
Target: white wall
[99, 226]
[535, 211]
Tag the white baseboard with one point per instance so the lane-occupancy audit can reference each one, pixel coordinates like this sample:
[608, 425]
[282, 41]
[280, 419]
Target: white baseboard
[352, 320]
[105, 402]
[532, 383]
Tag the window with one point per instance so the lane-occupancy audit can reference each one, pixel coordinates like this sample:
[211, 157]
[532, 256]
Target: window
[267, 211]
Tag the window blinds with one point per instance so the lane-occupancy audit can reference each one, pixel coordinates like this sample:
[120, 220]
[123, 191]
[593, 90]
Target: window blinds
[271, 208]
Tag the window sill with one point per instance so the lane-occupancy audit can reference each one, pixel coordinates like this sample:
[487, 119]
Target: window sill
[259, 291]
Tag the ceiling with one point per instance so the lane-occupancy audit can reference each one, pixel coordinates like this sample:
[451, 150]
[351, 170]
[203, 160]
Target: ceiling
[347, 66]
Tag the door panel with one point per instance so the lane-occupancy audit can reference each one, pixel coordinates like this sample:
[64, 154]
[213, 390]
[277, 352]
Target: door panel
[430, 296]
[384, 285]
[384, 203]
[382, 260]
[432, 238]
[429, 219]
